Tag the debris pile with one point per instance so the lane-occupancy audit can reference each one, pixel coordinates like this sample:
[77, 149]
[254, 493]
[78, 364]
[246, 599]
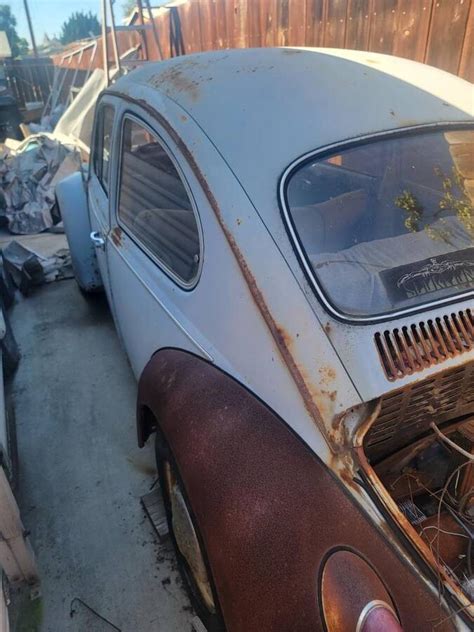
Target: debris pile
[29, 268]
[29, 172]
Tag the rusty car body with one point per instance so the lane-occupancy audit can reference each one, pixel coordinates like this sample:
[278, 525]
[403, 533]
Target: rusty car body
[285, 238]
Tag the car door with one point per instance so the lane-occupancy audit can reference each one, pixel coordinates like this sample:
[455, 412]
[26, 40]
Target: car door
[155, 250]
[99, 184]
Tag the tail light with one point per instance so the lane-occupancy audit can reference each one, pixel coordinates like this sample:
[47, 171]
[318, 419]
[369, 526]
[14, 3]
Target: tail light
[354, 598]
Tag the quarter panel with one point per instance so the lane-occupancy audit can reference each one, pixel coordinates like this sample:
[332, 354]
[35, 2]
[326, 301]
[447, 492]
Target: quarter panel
[268, 509]
[246, 312]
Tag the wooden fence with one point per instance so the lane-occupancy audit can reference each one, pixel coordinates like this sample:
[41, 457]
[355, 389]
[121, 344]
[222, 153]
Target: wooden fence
[29, 79]
[437, 32]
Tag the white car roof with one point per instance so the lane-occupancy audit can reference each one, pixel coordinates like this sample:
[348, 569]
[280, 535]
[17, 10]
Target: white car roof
[263, 108]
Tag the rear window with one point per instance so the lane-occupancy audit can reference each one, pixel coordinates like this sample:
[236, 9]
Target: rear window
[388, 225]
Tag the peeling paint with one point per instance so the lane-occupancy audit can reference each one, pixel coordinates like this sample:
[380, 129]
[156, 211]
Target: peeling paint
[328, 374]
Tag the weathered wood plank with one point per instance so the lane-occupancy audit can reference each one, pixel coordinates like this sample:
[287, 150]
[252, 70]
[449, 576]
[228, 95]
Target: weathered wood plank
[384, 24]
[16, 556]
[335, 26]
[236, 17]
[466, 64]
[268, 19]
[254, 24]
[222, 36]
[358, 24]
[163, 27]
[413, 28]
[283, 23]
[195, 27]
[448, 25]
[297, 22]
[314, 23]
[207, 23]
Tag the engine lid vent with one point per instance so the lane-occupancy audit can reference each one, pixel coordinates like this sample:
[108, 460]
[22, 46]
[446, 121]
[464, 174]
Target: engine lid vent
[412, 348]
[406, 413]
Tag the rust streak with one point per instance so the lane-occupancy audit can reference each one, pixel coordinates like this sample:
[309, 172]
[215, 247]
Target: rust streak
[279, 335]
[116, 236]
[175, 80]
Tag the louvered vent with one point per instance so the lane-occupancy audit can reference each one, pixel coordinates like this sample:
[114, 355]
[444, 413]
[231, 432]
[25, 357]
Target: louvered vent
[408, 349]
[407, 413]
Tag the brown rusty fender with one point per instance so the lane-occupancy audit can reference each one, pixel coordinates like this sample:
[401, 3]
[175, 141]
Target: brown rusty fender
[269, 511]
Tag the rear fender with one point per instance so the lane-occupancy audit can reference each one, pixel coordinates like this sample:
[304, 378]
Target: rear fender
[72, 202]
[270, 513]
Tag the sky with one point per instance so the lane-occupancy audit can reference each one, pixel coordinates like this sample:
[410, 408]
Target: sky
[48, 16]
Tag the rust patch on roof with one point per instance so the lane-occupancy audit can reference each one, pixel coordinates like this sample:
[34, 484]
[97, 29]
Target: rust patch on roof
[292, 51]
[175, 80]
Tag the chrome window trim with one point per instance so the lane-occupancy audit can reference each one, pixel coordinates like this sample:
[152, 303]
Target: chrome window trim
[296, 243]
[128, 114]
[102, 104]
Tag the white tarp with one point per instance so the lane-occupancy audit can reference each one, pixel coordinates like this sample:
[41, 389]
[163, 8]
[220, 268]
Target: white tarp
[77, 120]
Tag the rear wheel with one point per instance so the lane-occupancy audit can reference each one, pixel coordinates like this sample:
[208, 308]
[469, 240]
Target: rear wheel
[186, 540]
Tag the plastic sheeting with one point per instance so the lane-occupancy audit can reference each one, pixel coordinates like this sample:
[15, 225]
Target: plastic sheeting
[78, 119]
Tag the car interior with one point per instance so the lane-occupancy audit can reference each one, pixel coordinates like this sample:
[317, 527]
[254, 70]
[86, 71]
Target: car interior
[378, 207]
[155, 206]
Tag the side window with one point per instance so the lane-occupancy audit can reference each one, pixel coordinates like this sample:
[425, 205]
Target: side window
[154, 204]
[102, 143]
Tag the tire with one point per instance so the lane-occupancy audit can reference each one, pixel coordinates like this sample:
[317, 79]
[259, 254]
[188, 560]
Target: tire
[90, 294]
[206, 607]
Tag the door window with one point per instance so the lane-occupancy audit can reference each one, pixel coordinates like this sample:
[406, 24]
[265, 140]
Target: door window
[154, 204]
[102, 144]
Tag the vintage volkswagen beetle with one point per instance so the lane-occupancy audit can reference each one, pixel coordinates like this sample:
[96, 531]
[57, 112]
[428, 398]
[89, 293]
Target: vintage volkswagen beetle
[285, 237]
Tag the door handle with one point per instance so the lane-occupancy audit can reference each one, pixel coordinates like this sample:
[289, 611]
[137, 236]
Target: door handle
[97, 240]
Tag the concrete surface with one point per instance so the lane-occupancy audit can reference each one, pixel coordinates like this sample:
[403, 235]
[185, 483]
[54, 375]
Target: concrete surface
[82, 476]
